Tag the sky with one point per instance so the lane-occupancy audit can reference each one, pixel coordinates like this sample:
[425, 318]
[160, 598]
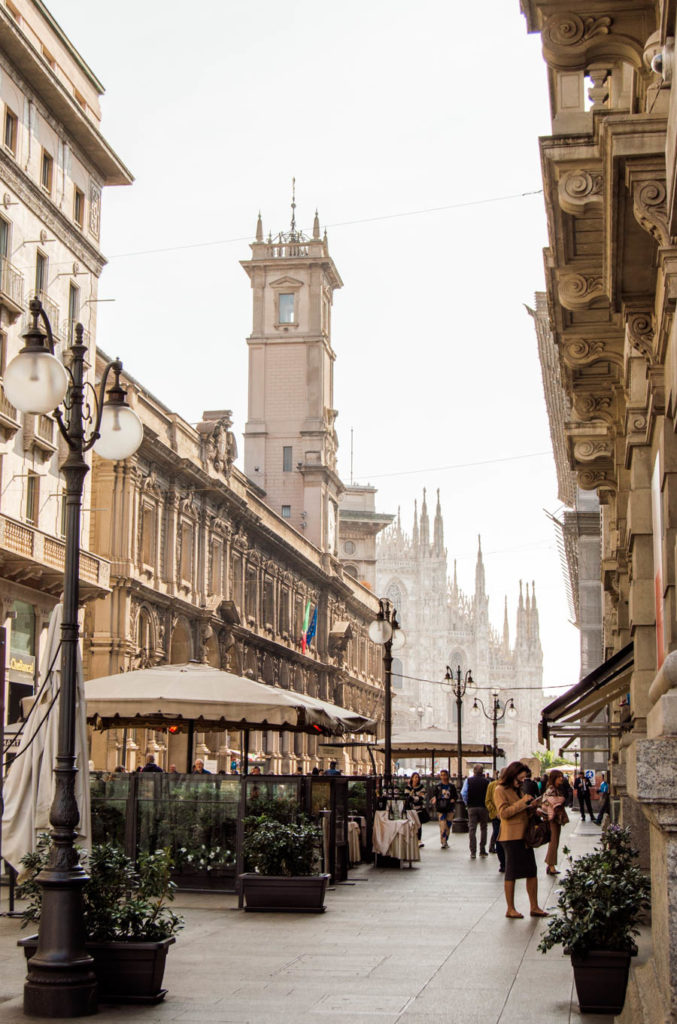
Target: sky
[413, 129]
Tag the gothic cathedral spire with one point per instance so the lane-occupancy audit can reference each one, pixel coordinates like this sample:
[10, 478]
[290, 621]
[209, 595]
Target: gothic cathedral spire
[438, 530]
[425, 527]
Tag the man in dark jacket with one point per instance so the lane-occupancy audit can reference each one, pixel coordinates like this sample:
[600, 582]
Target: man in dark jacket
[582, 790]
[444, 798]
[150, 765]
[474, 793]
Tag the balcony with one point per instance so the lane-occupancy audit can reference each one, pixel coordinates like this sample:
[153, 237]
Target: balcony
[36, 559]
[51, 309]
[9, 417]
[39, 435]
[11, 288]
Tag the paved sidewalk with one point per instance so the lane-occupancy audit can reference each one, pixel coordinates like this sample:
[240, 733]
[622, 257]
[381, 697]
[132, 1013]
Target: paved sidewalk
[430, 945]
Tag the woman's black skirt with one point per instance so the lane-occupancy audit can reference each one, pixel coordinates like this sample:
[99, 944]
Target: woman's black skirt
[520, 861]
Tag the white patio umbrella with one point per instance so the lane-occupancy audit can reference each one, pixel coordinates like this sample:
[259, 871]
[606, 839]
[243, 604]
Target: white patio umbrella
[29, 787]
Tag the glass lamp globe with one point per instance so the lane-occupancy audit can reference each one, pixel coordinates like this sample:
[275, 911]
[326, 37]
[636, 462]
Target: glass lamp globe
[475, 711]
[399, 640]
[121, 432]
[380, 631]
[35, 382]
[512, 711]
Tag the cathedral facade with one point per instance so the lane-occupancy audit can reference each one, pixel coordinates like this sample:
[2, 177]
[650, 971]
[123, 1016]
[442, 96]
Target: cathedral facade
[443, 627]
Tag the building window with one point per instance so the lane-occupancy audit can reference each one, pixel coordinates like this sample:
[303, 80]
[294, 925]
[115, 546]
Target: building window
[79, 207]
[40, 273]
[148, 535]
[4, 237]
[3, 353]
[396, 674]
[236, 582]
[286, 511]
[11, 130]
[186, 552]
[62, 515]
[215, 573]
[284, 611]
[286, 458]
[32, 498]
[46, 172]
[73, 310]
[268, 602]
[286, 308]
[351, 571]
[349, 547]
[251, 591]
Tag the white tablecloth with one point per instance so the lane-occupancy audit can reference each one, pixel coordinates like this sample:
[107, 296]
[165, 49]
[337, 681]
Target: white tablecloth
[396, 837]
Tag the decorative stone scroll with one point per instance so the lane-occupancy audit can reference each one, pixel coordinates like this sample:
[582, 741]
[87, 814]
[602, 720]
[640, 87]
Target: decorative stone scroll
[590, 450]
[590, 406]
[580, 191]
[650, 208]
[569, 29]
[593, 479]
[582, 352]
[641, 332]
[581, 291]
[581, 40]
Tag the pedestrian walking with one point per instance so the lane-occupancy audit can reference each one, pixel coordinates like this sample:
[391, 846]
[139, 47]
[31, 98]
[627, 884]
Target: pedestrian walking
[553, 802]
[494, 845]
[443, 801]
[519, 858]
[605, 801]
[530, 785]
[150, 765]
[582, 790]
[474, 793]
[415, 796]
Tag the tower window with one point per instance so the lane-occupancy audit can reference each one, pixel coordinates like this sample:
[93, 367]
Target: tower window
[286, 307]
[32, 498]
[78, 207]
[286, 459]
[286, 511]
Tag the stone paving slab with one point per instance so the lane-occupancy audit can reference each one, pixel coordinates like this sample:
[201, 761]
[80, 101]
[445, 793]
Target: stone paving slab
[430, 945]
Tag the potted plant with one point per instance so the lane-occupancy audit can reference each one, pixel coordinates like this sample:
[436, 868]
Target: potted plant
[282, 861]
[600, 901]
[128, 924]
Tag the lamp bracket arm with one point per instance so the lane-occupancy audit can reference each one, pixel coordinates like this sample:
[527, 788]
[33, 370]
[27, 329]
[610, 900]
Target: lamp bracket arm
[116, 366]
[48, 328]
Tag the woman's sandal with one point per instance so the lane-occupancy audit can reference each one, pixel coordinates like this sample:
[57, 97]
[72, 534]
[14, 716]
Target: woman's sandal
[539, 913]
[514, 917]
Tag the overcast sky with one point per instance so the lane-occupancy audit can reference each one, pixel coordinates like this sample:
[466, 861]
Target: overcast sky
[413, 128]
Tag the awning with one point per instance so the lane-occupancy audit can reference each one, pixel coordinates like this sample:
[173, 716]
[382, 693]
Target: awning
[605, 684]
[211, 700]
[433, 742]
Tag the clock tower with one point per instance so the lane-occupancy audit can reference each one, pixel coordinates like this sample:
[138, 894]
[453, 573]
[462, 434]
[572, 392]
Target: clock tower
[290, 440]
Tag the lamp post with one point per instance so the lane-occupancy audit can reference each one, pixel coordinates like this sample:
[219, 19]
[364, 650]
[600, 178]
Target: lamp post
[60, 981]
[459, 684]
[495, 714]
[381, 631]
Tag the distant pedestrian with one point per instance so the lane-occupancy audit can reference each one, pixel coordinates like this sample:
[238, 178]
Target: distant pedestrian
[315, 771]
[415, 795]
[150, 765]
[605, 801]
[444, 799]
[474, 793]
[519, 858]
[568, 792]
[199, 768]
[553, 802]
[332, 769]
[530, 785]
[582, 790]
[494, 845]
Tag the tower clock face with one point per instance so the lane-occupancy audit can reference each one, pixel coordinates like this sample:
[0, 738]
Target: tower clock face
[331, 527]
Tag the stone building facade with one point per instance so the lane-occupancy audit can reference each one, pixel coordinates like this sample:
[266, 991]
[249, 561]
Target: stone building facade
[610, 185]
[54, 165]
[444, 626]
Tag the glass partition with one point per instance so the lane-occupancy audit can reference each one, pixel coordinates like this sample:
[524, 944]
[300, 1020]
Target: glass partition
[109, 793]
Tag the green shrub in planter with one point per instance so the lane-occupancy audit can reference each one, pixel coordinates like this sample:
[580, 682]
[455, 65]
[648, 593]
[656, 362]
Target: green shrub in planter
[277, 848]
[122, 902]
[600, 899]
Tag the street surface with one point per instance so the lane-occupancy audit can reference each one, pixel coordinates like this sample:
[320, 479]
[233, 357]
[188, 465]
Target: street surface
[427, 945]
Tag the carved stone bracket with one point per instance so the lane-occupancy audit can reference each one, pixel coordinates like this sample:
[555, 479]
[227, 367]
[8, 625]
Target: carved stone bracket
[573, 40]
[581, 291]
[582, 352]
[641, 331]
[597, 479]
[594, 406]
[580, 191]
[649, 205]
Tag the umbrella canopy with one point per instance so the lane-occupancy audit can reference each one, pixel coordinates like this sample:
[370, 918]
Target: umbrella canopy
[211, 700]
[29, 789]
[433, 741]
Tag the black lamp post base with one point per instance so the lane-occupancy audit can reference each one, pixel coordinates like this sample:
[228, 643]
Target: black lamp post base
[55, 997]
[460, 822]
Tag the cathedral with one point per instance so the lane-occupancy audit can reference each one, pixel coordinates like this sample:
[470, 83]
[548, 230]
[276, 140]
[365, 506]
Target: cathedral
[444, 626]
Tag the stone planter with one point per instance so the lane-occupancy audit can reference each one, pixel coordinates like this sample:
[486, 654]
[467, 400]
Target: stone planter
[601, 978]
[213, 881]
[126, 972]
[303, 894]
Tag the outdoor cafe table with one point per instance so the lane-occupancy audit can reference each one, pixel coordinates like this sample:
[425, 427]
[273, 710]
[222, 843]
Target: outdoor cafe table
[396, 837]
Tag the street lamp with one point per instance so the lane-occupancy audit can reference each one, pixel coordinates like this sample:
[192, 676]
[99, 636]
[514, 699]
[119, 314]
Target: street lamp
[60, 981]
[381, 631]
[459, 684]
[495, 714]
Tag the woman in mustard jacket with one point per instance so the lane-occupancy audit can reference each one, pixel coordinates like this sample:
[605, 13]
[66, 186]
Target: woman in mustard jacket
[519, 858]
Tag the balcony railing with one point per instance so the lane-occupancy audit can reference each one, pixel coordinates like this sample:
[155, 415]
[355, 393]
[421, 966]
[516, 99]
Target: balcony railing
[51, 309]
[11, 285]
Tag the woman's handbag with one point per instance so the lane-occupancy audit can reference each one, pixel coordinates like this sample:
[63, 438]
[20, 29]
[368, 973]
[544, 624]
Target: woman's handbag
[538, 830]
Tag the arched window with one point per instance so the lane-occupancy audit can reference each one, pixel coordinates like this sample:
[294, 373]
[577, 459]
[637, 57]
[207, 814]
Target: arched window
[351, 570]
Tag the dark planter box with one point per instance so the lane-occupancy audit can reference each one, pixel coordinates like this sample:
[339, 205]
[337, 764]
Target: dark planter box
[303, 894]
[601, 978]
[126, 972]
[207, 881]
